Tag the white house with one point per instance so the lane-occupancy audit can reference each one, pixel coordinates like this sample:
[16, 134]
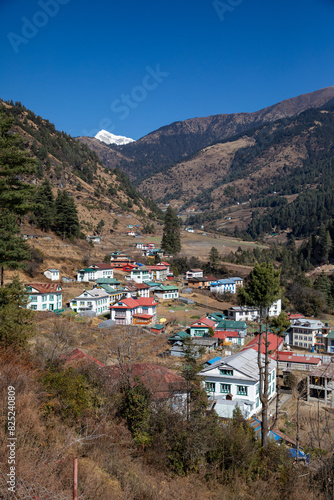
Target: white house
[276, 308]
[248, 313]
[234, 381]
[140, 274]
[96, 300]
[44, 296]
[52, 274]
[138, 289]
[92, 273]
[238, 281]
[158, 272]
[168, 292]
[194, 273]
[223, 286]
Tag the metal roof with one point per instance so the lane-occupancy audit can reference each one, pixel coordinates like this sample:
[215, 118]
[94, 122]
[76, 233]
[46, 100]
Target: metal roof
[244, 361]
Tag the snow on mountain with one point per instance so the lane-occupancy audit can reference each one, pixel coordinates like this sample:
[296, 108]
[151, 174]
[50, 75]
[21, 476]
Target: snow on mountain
[109, 138]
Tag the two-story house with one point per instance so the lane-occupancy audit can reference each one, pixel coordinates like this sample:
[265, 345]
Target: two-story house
[223, 286]
[95, 272]
[249, 313]
[44, 296]
[96, 300]
[141, 310]
[243, 313]
[137, 289]
[168, 292]
[140, 274]
[234, 381]
[201, 327]
[158, 272]
[230, 325]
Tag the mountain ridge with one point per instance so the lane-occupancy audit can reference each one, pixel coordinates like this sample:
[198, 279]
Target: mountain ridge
[161, 149]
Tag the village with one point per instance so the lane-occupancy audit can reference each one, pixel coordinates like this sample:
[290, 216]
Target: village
[126, 294]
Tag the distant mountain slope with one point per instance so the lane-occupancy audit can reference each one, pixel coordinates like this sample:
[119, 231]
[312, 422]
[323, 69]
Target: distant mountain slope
[173, 143]
[286, 168]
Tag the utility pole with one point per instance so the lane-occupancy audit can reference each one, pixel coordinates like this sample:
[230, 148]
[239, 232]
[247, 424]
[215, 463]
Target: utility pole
[297, 435]
[75, 479]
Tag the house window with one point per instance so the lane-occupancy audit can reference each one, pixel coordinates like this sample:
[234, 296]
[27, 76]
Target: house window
[44, 298]
[257, 388]
[210, 386]
[257, 402]
[34, 308]
[225, 388]
[82, 304]
[33, 298]
[242, 390]
[225, 371]
[44, 306]
[51, 298]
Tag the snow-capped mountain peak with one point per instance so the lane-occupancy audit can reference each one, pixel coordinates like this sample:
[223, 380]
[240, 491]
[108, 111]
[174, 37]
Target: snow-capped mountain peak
[109, 138]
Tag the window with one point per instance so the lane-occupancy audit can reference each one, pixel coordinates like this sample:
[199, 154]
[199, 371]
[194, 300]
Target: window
[33, 298]
[34, 308]
[257, 402]
[210, 386]
[226, 371]
[44, 306]
[44, 298]
[82, 304]
[257, 388]
[242, 390]
[225, 388]
[51, 298]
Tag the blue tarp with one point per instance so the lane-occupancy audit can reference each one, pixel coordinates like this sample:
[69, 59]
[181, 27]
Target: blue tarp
[293, 453]
[211, 361]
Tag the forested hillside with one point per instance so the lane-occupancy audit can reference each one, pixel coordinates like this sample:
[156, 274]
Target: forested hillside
[71, 165]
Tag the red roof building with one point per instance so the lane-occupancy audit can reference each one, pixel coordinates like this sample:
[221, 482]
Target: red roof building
[126, 310]
[272, 340]
[227, 337]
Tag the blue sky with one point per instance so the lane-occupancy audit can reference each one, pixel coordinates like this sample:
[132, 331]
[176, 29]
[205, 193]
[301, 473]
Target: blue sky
[133, 67]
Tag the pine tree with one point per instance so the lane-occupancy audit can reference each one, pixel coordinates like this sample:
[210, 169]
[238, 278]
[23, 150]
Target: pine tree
[214, 258]
[45, 206]
[15, 320]
[13, 249]
[15, 195]
[171, 238]
[66, 216]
